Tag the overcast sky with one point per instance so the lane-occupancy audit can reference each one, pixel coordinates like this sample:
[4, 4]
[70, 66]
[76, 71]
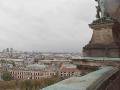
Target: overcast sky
[46, 25]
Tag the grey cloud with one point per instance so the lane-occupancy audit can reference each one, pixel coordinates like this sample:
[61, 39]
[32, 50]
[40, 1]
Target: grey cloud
[46, 25]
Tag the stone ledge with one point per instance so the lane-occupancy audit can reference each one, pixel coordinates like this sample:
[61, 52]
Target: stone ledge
[88, 82]
[99, 26]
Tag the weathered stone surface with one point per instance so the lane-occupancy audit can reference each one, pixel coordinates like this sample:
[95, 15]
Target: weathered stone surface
[116, 33]
[108, 8]
[106, 30]
[102, 34]
[105, 40]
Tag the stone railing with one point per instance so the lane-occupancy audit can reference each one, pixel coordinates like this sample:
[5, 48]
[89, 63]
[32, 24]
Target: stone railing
[92, 81]
[113, 83]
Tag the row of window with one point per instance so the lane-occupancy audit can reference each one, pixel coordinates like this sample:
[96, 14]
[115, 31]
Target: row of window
[67, 72]
[21, 77]
[34, 73]
[26, 73]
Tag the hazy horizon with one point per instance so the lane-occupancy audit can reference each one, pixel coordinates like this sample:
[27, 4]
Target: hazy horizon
[46, 25]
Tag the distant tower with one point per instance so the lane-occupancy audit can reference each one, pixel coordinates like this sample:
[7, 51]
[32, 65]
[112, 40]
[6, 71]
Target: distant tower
[7, 50]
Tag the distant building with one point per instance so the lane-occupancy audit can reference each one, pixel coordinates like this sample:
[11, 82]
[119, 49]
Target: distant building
[69, 70]
[28, 61]
[18, 62]
[34, 71]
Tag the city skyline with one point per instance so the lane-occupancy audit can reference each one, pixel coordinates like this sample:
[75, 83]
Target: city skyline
[49, 25]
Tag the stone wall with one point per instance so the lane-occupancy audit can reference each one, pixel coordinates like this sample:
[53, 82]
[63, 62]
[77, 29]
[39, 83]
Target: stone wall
[102, 36]
[97, 63]
[113, 83]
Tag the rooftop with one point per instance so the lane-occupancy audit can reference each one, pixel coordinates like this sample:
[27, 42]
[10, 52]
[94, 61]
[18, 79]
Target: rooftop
[69, 66]
[36, 66]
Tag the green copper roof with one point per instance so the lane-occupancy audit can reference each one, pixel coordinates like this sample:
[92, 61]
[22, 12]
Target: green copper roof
[90, 80]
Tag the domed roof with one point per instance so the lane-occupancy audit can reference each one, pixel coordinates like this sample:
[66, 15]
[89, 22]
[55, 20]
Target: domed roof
[36, 66]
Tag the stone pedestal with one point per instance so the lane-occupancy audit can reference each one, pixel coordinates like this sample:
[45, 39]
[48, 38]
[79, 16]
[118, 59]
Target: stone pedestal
[103, 42]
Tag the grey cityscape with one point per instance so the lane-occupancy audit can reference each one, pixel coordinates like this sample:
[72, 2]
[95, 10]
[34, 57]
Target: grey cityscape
[60, 45]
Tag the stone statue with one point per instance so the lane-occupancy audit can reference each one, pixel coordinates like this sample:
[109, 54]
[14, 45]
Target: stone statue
[108, 8]
[101, 9]
[98, 12]
[105, 40]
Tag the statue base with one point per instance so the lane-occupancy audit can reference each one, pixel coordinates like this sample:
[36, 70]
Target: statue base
[104, 42]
